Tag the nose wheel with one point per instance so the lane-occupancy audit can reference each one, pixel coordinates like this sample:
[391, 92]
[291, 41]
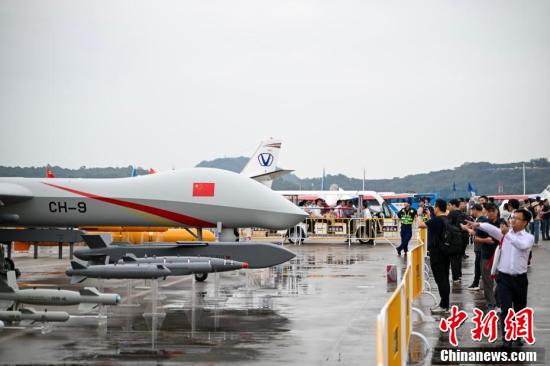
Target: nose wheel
[201, 277]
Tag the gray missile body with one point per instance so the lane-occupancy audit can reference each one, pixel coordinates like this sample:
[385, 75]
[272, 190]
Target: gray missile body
[195, 264]
[144, 268]
[30, 314]
[9, 291]
[60, 297]
[257, 255]
[78, 272]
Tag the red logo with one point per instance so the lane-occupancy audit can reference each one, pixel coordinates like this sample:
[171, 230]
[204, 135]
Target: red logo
[519, 325]
[484, 325]
[203, 189]
[516, 325]
[451, 323]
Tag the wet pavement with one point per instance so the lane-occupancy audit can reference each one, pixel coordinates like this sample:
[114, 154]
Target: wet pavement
[538, 298]
[318, 308]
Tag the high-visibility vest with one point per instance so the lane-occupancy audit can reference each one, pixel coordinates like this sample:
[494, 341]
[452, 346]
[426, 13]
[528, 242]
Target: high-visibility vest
[407, 216]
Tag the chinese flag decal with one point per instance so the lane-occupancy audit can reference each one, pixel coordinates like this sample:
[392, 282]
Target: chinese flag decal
[203, 189]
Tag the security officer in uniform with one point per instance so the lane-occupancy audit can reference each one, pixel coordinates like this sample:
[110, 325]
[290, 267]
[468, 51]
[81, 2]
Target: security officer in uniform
[406, 215]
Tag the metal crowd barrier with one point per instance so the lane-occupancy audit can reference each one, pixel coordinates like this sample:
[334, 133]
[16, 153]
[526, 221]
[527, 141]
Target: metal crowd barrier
[394, 322]
[354, 229]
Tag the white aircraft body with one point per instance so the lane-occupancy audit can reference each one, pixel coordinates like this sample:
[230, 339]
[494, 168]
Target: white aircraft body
[198, 197]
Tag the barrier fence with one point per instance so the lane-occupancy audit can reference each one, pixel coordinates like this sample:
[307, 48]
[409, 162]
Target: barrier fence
[394, 322]
[354, 229]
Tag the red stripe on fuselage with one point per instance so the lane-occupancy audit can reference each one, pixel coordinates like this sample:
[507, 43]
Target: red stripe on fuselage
[174, 216]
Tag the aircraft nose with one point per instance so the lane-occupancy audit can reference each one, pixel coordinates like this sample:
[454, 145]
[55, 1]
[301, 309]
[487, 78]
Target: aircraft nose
[285, 213]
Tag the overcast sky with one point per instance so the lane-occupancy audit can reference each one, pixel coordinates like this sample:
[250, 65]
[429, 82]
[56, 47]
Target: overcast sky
[397, 87]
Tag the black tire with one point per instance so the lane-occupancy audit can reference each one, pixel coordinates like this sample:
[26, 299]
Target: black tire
[362, 232]
[10, 266]
[201, 277]
[296, 235]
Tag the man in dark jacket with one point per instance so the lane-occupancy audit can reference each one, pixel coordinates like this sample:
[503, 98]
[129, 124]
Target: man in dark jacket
[457, 217]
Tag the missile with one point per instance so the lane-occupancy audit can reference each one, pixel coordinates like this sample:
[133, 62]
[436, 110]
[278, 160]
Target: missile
[131, 267]
[256, 255]
[192, 264]
[9, 291]
[30, 314]
[197, 264]
[79, 273]
[60, 297]
[198, 197]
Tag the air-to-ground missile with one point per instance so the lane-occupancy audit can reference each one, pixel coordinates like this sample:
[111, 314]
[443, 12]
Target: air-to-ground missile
[79, 272]
[257, 255]
[195, 264]
[30, 314]
[143, 268]
[9, 291]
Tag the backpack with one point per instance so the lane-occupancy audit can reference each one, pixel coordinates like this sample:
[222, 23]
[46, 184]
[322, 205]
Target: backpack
[452, 241]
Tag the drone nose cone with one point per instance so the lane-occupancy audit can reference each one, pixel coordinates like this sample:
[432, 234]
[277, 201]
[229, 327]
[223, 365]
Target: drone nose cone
[287, 214]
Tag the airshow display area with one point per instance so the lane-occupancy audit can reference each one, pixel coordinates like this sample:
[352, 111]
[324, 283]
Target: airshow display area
[207, 266]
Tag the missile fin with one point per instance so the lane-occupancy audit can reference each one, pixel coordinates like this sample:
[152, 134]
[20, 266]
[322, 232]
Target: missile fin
[86, 307]
[76, 265]
[5, 304]
[129, 258]
[10, 284]
[94, 241]
[89, 291]
[77, 279]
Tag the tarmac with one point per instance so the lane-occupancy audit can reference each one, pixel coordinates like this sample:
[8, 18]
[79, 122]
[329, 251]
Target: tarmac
[318, 308]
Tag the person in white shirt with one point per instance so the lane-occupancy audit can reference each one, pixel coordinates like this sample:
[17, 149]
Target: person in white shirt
[512, 264]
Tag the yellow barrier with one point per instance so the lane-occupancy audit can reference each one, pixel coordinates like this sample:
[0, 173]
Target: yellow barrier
[417, 270]
[394, 322]
[394, 328]
[379, 341]
[407, 282]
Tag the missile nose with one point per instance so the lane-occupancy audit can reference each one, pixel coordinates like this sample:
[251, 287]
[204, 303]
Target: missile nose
[117, 299]
[245, 265]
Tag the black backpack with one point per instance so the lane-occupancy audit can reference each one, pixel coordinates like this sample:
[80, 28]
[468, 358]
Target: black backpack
[452, 241]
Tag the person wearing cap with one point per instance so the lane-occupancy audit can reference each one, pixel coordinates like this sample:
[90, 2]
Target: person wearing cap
[406, 215]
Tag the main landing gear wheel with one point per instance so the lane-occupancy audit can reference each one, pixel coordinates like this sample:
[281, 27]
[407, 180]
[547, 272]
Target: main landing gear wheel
[363, 235]
[200, 277]
[296, 235]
